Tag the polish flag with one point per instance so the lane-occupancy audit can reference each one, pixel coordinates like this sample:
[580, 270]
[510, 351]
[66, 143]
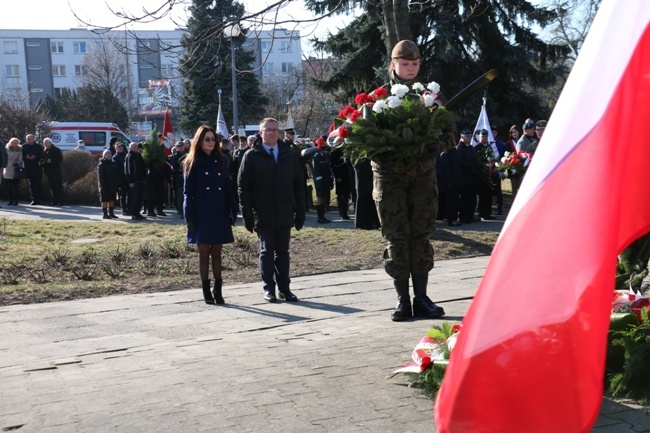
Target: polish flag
[531, 356]
[168, 134]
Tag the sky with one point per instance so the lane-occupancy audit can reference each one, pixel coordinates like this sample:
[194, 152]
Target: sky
[59, 15]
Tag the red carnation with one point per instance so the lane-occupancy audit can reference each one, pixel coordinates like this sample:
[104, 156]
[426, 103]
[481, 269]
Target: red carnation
[361, 98]
[343, 132]
[346, 112]
[379, 93]
[354, 115]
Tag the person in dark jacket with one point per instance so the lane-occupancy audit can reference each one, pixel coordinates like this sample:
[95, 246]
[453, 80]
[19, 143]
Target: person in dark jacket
[469, 170]
[178, 180]
[321, 171]
[52, 159]
[122, 182]
[340, 169]
[272, 196]
[107, 180]
[136, 174]
[209, 206]
[449, 183]
[32, 154]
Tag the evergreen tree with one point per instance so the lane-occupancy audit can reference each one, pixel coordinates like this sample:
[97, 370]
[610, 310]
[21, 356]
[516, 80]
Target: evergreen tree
[459, 41]
[206, 67]
[86, 104]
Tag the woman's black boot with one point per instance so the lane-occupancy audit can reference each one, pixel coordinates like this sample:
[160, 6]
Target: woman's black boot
[218, 298]
[206, 292]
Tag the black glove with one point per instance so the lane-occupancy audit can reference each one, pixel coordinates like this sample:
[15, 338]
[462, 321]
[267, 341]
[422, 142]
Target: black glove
[191, 227]
[299, 221]
[249, 219]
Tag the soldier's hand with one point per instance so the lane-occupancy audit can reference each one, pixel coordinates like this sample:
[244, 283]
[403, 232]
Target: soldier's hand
[299, 221]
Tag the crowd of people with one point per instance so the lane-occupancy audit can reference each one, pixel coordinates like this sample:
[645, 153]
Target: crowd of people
[469, 174]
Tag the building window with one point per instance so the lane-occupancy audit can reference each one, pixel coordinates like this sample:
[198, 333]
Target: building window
[166, 70]
[285, 46]
[58, 91]
[33, 44]
[12, 71]
[80, 70]
[79, 47]
[58, 70]
[287, 67]
[35, 68]
[11, 47]
[56, 47]
[37, 90]
[266, 46]
[267, 68]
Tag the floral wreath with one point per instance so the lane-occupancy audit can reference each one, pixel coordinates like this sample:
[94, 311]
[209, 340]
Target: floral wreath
[406, 122]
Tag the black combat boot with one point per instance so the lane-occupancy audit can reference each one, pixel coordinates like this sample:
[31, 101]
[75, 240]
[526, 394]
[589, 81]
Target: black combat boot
[218, 298]
[106, 217]
[422, 305]
[111, 213]
[342, 202]
[403, 309]
[206, 292]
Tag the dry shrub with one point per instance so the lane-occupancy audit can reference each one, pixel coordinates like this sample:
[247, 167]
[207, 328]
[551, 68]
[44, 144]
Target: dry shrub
[83, 191]
[76, 165]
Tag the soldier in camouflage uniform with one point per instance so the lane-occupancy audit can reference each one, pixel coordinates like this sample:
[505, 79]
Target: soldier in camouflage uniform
[406, 194]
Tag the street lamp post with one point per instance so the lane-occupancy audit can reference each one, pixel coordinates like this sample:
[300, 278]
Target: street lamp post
[232, 31]
[126, 69]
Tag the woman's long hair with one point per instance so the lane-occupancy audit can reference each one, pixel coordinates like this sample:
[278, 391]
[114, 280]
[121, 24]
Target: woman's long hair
[195, 147]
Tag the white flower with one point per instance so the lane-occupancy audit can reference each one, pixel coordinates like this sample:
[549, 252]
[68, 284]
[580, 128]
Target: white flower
[399, 90]
[380, 106]
[428, 100]
[418, 87]
[434, 87]
[395, 101]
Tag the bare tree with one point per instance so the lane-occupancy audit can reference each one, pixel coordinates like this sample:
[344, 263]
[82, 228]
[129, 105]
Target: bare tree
[574, 20]
[105, 68]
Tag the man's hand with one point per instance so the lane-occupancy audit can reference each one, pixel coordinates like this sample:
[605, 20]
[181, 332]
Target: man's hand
[299, 221]
[249, 219]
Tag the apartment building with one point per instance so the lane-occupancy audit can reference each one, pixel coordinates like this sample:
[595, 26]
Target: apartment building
[35, 64]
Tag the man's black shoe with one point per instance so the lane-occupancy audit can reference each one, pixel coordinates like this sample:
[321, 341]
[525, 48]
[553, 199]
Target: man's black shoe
[270, 297]
[488, 218]
[323, 220]
[137, 217]
[161, 213]
[151, 214]
[288, 296]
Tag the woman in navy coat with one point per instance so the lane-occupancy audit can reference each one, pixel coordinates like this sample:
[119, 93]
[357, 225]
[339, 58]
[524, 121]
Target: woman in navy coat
[209, 206]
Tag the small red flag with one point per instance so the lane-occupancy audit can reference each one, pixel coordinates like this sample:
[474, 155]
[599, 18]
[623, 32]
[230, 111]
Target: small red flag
[168, 134]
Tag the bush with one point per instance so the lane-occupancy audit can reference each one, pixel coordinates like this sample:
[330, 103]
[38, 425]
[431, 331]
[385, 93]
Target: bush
[76, 164]
[83, 191]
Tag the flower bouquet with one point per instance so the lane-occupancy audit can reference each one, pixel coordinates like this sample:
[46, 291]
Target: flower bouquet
[430, 358]
[407, 122]
[515, 163]
[628, 347]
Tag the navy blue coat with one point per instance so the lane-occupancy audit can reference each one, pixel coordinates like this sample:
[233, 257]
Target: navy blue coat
[209, 200]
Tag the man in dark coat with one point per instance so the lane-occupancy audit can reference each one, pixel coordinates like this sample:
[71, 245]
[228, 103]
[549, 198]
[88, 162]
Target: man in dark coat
[469, 167]
[122, 182]
[32, 154]
[52, 159]
[340, 169]
[272, 197]
[136, 174]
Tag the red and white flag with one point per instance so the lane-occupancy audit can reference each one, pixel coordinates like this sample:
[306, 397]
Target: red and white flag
[531, 356]
[222, 128]
[168, 134]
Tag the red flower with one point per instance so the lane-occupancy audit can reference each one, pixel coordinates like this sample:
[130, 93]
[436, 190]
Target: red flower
[379, 93]
[354, 115]
[343, 132]
[362, 98]
[346, 112]
[456, 328]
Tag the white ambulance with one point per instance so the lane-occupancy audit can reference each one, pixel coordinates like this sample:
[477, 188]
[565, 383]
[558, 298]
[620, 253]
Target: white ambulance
[96, 135]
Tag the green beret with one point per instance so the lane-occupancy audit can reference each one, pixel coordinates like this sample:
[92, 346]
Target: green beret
[405, 49]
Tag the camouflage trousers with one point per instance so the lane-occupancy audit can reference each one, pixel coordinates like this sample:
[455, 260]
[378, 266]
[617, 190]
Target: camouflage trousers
[406, 194]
